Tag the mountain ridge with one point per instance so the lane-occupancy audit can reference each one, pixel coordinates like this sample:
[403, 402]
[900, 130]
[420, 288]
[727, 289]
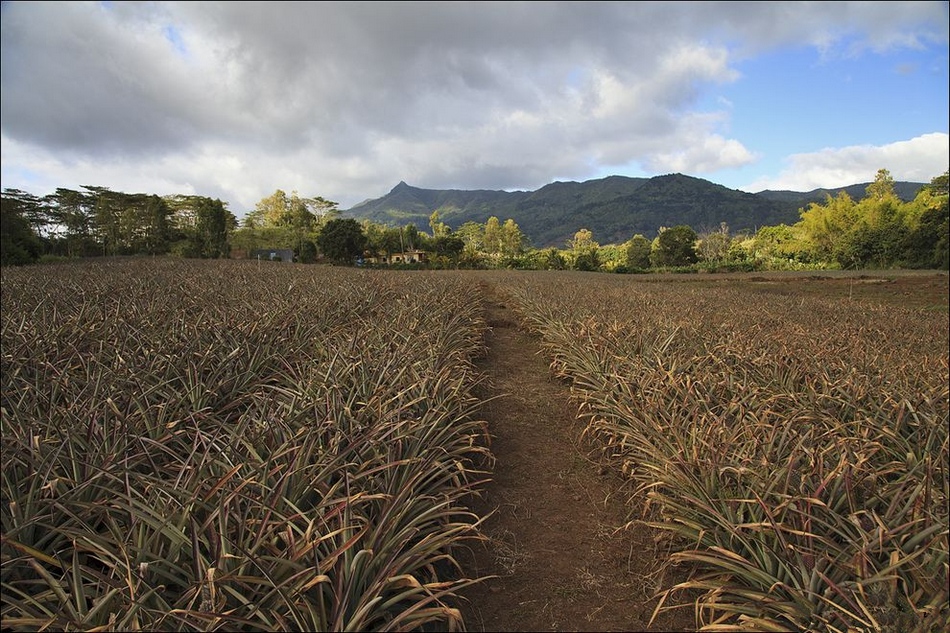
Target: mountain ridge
[613, 208]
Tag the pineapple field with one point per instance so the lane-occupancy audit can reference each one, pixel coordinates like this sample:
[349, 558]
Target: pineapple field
[236, 445]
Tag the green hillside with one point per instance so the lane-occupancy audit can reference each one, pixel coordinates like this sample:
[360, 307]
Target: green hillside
[614, 208]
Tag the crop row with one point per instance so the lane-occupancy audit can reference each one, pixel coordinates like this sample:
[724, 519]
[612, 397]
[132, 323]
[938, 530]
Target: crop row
[794, 449]
[235, 446]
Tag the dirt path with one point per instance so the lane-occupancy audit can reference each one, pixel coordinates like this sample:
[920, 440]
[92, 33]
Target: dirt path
[559, 562]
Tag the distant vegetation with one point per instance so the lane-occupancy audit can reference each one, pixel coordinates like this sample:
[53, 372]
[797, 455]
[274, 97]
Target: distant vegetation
[612, 208]
[679, 224]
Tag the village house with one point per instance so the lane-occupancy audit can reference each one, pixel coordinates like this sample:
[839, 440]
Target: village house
[405, 257]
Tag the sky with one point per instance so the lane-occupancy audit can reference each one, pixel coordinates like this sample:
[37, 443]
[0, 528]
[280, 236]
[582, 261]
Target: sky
[343, 100]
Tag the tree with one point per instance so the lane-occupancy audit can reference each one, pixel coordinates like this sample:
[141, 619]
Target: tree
[274, 210]
[439, 228]
[342, 240]
[781, 243]
[320, 208]
[27, 242]
[638, 253]
[293, 211]
[375, 235]
[410, 237]
[131, 224]
[940, 185]
[73, 218]
[880, 231]
[212, 229]
[148, 226]
[307, 253]
[675, 246]
[876, 240]
[713, 247]
[511, 239]
[203, 227]
[882, 187]
[32, 209]
[825, 226]
[472, 233]
[584, 250]
[491, 238]
[926, 243]
[282, 221]
[108, 220]
[19, 244]
[449, 245]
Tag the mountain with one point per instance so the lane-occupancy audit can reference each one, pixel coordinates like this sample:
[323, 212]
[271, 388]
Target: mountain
[906, 191]
[614, 208]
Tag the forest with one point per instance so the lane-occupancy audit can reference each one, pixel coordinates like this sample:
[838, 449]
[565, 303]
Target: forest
[878, 231]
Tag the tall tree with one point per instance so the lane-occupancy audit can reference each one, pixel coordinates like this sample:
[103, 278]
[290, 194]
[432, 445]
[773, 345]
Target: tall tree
[585, 250]
[437, 226]
[131, 223]
[511, 239]
[882, 187]
[940, 185]
[675, 246]
[212, 227]
[108, 219]
[448, 245]
[638, 253]
[877, 237]
[410, 237]
[320, 208]
[286, 221]
[73, 221]
[473, 234]
[150, 230]
[294, 211]
[825, 226]
[927, 243]
[341, 240]
[274, 210]
[19, 243]
[31, 208]
[491, 238]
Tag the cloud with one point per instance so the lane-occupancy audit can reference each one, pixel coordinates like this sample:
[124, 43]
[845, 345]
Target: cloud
[345, 99]
[710, 155]
[918, 160]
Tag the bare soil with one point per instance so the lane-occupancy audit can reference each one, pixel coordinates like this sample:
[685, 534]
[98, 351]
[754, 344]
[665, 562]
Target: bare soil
[557, 552]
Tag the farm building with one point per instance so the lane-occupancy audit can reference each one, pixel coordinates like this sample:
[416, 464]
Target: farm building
[273, 254]
[405, 257]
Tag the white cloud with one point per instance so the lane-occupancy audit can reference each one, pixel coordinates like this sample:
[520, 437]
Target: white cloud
[919, 159]
[345, 99]
[711, 154]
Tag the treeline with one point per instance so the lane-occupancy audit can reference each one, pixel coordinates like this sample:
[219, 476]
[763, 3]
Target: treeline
[878, 231]
[95, 221]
